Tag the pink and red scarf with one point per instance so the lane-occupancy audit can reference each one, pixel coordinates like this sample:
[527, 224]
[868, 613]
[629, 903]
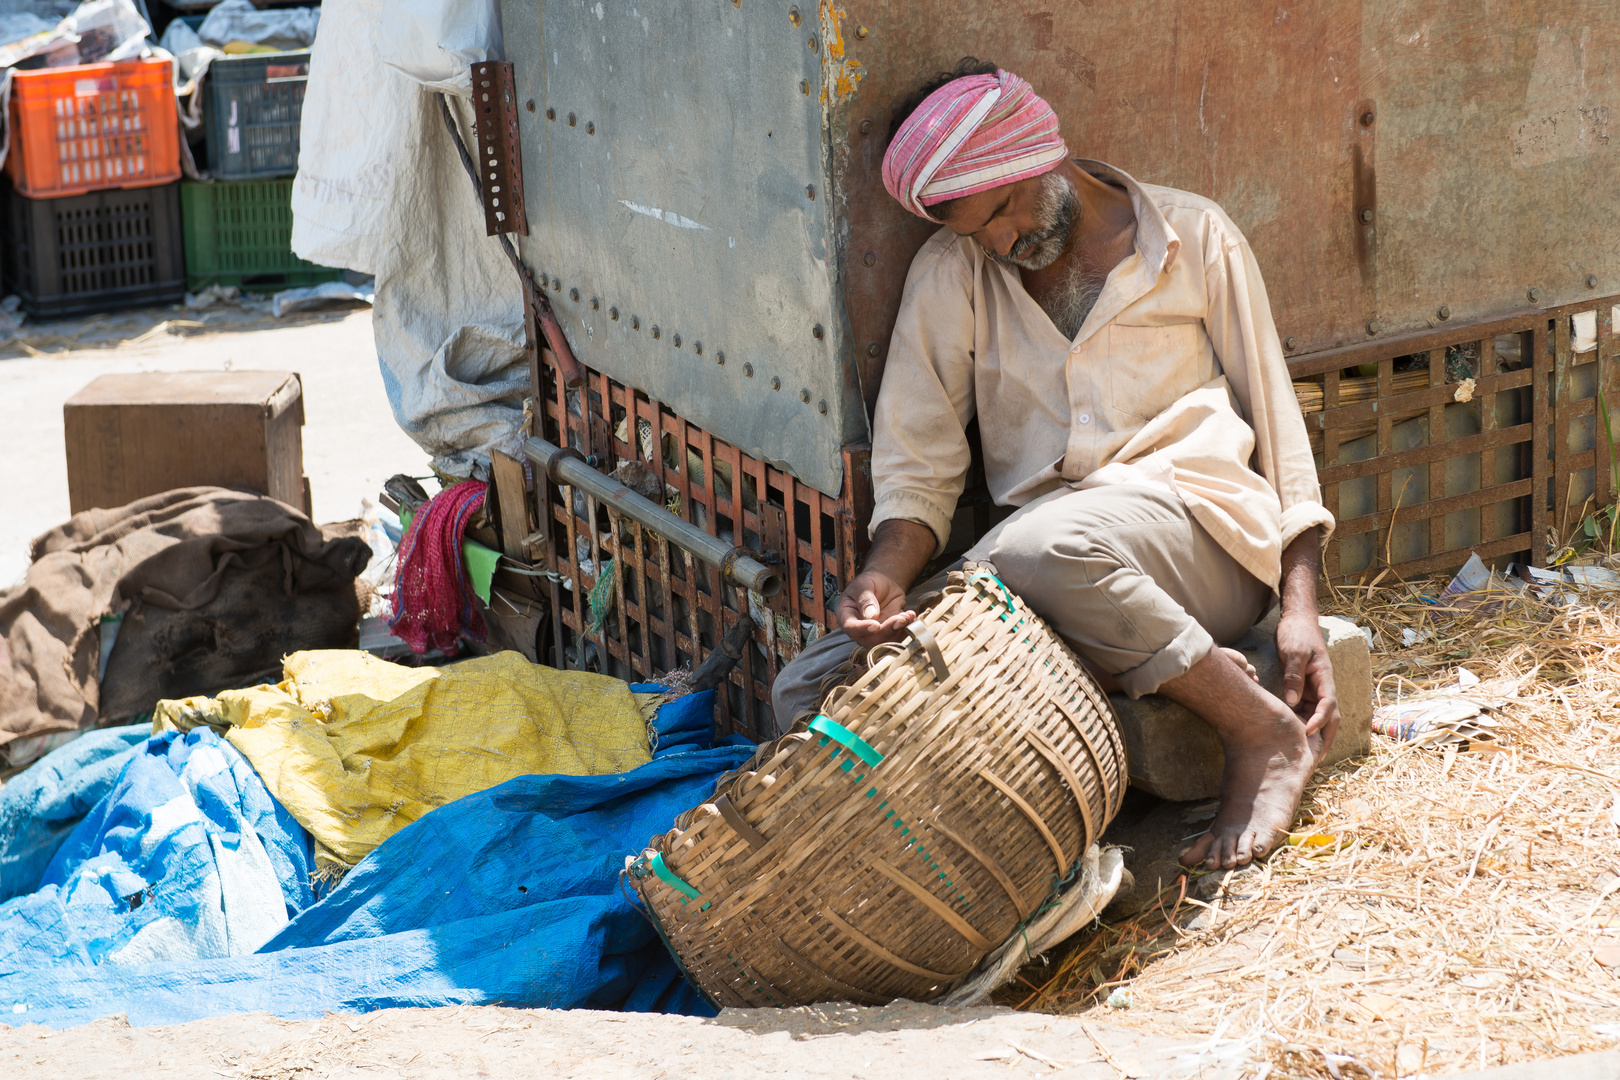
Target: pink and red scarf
[972, 134]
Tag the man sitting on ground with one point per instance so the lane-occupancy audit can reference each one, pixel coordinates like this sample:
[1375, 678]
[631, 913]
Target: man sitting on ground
[1115, 342]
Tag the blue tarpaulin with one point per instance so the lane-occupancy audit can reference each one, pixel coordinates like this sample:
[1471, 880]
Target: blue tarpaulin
[185, 856]
[510, 896]
[40, 806]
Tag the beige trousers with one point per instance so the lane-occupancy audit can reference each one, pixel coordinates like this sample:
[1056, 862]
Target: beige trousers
[1124, 573]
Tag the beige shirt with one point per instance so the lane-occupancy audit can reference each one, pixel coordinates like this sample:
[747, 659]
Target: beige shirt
[1176, 378]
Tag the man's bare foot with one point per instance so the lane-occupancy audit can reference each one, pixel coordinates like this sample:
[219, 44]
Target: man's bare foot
[1265, 776]
[1241, 661]
[1268, 760]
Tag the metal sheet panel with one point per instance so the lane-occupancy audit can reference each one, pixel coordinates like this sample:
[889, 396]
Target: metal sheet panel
[675, 175]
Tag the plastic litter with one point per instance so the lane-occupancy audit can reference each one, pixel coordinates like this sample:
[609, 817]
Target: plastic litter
[238, 20]
[323, 295]
[1436, 720]
[214, 294]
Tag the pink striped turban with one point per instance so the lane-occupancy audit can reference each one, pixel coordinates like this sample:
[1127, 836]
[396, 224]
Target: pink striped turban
[972, 134]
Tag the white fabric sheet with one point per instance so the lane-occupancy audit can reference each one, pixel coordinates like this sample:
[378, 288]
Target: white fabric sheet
[381, 191]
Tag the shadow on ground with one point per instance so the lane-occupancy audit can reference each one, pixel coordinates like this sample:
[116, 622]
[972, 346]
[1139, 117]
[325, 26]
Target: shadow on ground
[138, 327]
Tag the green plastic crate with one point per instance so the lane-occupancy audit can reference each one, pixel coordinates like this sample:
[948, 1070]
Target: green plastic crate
[239, 232]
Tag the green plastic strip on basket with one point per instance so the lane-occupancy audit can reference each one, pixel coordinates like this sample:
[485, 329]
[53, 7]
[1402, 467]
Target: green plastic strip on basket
[982, 576]
[825, 725]
[670, 878]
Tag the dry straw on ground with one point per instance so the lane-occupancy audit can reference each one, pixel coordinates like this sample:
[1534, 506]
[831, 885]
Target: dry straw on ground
[1443, 910]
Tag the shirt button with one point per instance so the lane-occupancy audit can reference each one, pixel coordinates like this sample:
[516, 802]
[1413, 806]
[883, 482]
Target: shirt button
[1085, 418]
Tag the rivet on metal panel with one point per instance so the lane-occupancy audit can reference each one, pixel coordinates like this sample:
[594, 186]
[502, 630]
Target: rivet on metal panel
[613, 313]
[720, 358]
[1367, 118]
[874, 349]
[596, 305]
[804, 87]
[866, 127]
[869, 258]
[573, 294]
[676, 340]
[810, 192]
[551, 114]
[1591, 281]
[1366, 213]
[635, 322]
[1532, 294]
[813, 44]
[861, 31]
[748, 370]
[556, 284]
[793, 16]
[655, 331]
[776, 384]
[697, 347]
[804, 394]
[572, 120]
[529, 104]
[817, 332]
[590, 127]
[1291, 343]
[736, 3]
[1372, 327]
[822, 408]
[1444, 312]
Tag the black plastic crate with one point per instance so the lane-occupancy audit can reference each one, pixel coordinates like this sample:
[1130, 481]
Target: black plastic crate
[95, 252]
[254, 108]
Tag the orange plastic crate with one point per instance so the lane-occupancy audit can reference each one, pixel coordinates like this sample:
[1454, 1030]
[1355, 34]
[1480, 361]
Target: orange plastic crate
[93, 126]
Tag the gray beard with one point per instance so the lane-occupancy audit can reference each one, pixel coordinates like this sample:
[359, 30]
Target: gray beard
[1058, 212]
[1069, 306]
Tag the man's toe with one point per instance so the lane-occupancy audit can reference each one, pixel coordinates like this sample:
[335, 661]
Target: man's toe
[1197, 851]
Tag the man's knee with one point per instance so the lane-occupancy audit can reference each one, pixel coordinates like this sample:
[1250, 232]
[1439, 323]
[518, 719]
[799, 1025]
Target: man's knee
[1042, 548]
[798, 686]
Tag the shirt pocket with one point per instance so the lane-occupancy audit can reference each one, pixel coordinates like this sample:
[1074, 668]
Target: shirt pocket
[1150, 368]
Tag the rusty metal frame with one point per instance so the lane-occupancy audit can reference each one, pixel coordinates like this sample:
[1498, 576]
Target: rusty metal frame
[500, 154]
[1536, 453]
[668, 609]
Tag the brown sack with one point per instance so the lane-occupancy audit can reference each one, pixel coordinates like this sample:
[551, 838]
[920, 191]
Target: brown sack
[214, 586]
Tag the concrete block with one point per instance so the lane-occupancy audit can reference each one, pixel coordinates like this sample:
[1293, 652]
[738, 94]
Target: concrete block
[1175, 755]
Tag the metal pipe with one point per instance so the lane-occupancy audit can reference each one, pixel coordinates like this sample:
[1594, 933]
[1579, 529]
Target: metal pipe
[567, 468]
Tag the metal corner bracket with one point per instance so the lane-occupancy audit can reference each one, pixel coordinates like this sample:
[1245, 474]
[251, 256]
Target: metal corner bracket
[500, 154]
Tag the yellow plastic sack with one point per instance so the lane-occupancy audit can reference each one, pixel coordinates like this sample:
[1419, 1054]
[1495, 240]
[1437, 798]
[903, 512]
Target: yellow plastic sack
[356, 748]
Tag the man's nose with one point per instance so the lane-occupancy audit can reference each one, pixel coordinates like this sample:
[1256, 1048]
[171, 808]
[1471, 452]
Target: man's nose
[1000, 240]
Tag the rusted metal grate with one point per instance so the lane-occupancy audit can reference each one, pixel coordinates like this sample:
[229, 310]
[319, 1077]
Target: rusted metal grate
[667, 610]
[1419, 472]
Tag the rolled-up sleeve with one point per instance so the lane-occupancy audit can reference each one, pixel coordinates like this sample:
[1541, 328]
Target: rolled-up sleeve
[920, 449]
[1245, 341]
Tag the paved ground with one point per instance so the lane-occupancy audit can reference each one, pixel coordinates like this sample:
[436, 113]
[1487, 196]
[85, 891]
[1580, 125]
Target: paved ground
[900, 1040]
[351, 443]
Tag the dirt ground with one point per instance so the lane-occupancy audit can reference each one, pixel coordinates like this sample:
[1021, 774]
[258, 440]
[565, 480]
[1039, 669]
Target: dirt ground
[351, 442]
[900, 1040]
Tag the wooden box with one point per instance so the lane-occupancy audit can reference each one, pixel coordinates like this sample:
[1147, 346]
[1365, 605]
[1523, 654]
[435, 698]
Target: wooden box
[129, 436]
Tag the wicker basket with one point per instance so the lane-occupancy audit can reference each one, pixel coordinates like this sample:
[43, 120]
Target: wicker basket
[882, 850]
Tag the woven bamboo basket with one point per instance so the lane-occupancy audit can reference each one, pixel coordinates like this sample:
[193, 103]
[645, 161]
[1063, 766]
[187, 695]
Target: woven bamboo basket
[883, 848]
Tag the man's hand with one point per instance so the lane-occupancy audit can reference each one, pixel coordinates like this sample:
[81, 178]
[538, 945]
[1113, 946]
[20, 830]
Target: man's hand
[873, 607]
[873, 610]
[1307, 674]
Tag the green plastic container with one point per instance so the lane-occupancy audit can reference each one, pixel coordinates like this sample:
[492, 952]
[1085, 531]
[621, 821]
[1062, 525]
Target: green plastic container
[239, 232]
